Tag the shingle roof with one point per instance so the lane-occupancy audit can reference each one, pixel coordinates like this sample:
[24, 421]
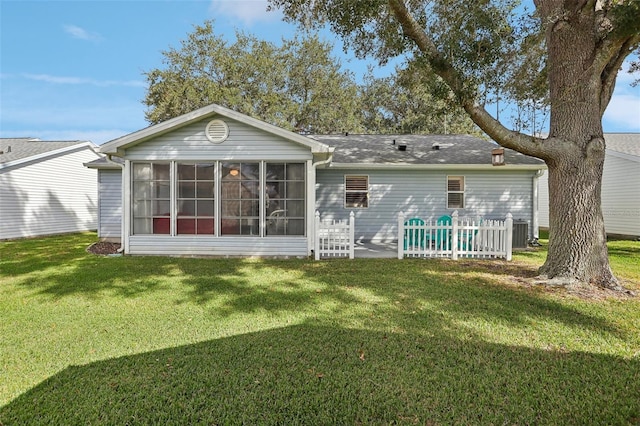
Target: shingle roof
[625, 143]
[14, 149]
[452, 149]
[104, 163]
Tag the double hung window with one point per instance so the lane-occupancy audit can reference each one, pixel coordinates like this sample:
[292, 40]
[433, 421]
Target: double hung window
[455, 192]
[356, 191]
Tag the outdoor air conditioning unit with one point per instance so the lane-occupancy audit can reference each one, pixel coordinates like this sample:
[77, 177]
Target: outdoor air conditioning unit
[520, 233]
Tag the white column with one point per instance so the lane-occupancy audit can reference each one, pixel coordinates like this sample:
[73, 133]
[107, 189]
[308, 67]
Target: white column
[455, 238]
[509, 239]
[401, 235]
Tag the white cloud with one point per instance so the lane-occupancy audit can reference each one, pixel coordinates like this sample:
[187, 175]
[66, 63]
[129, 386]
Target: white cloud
[81, 33]
[47, 78]
[246, 11]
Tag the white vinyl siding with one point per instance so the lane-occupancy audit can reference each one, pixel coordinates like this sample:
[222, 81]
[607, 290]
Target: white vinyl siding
[244, 143]
[52, 195]
[421, 193]
[620, 195]
[217, 246]
[110, 213]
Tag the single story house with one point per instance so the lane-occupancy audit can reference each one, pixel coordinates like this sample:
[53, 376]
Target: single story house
[216, 182]
[44, 187]
[620, 186]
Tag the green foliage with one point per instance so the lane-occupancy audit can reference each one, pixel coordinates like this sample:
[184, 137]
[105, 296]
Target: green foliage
[154, 340]
[412, 101]
[298, 85]
[626, 14]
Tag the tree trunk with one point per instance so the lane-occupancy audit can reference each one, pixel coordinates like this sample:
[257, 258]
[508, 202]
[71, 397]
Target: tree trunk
[577, 240]
[575, 149]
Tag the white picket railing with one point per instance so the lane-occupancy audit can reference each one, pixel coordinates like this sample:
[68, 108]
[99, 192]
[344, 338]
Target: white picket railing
[459, 237]
[334, 238]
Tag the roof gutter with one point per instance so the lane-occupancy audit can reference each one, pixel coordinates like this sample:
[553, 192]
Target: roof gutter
[532, 167]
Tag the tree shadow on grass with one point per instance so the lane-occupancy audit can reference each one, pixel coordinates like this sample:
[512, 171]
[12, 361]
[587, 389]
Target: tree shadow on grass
[228, 287]
[624, 249]
[314, 374]
[392, 294]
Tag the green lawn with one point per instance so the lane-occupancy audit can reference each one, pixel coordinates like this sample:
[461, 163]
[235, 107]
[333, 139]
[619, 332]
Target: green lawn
[149, 340]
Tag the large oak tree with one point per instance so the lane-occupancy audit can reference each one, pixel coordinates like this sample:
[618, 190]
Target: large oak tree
[298, 85]
[484, 47]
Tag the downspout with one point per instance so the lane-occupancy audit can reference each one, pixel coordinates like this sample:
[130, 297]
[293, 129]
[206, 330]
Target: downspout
[536, 205]
[311, 214]
[121, 166]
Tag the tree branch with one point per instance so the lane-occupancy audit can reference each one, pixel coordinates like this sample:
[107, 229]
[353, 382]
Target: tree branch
[525, 144]
[610, 71]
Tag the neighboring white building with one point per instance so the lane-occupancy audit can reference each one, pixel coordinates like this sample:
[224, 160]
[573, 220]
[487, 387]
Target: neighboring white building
[45, 188]
[620, 186]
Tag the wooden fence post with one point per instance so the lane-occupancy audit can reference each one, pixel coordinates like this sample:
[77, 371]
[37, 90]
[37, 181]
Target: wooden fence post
[401, 235]
[509, 239]
[455, 238]
[316, 242]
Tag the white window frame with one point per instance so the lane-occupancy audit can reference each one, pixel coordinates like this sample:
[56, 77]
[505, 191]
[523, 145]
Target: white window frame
[348, 191]
[461, 191]
[217, 198]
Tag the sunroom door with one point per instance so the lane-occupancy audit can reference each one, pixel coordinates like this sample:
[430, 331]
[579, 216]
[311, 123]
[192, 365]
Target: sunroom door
[240, 198]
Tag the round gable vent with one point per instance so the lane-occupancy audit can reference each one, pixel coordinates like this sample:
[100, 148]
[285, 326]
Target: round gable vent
[217, 131]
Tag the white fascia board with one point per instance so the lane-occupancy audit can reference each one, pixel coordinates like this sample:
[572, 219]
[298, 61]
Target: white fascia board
[437, 166]
[117, 145]
[53, 153]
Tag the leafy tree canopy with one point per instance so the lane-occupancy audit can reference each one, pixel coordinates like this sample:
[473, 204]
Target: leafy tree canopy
[298, 85]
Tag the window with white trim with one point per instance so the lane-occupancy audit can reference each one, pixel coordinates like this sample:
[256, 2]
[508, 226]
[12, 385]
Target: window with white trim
[455, 192]
[195, 199]
[240, 199]
[151, 198]
[356, 191]
[285, 199]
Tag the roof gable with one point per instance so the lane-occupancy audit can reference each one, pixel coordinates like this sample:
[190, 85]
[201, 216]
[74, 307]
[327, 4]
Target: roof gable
[132, 139]
[626, 144]
[15, 151]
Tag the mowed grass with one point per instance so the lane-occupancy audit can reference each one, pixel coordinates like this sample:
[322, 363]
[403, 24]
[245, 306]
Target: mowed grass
[87, 339]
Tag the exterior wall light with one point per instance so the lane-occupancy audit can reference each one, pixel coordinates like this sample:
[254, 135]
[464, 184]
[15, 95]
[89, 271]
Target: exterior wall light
[497, 157]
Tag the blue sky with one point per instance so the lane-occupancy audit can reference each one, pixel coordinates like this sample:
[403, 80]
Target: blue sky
[74, 69]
